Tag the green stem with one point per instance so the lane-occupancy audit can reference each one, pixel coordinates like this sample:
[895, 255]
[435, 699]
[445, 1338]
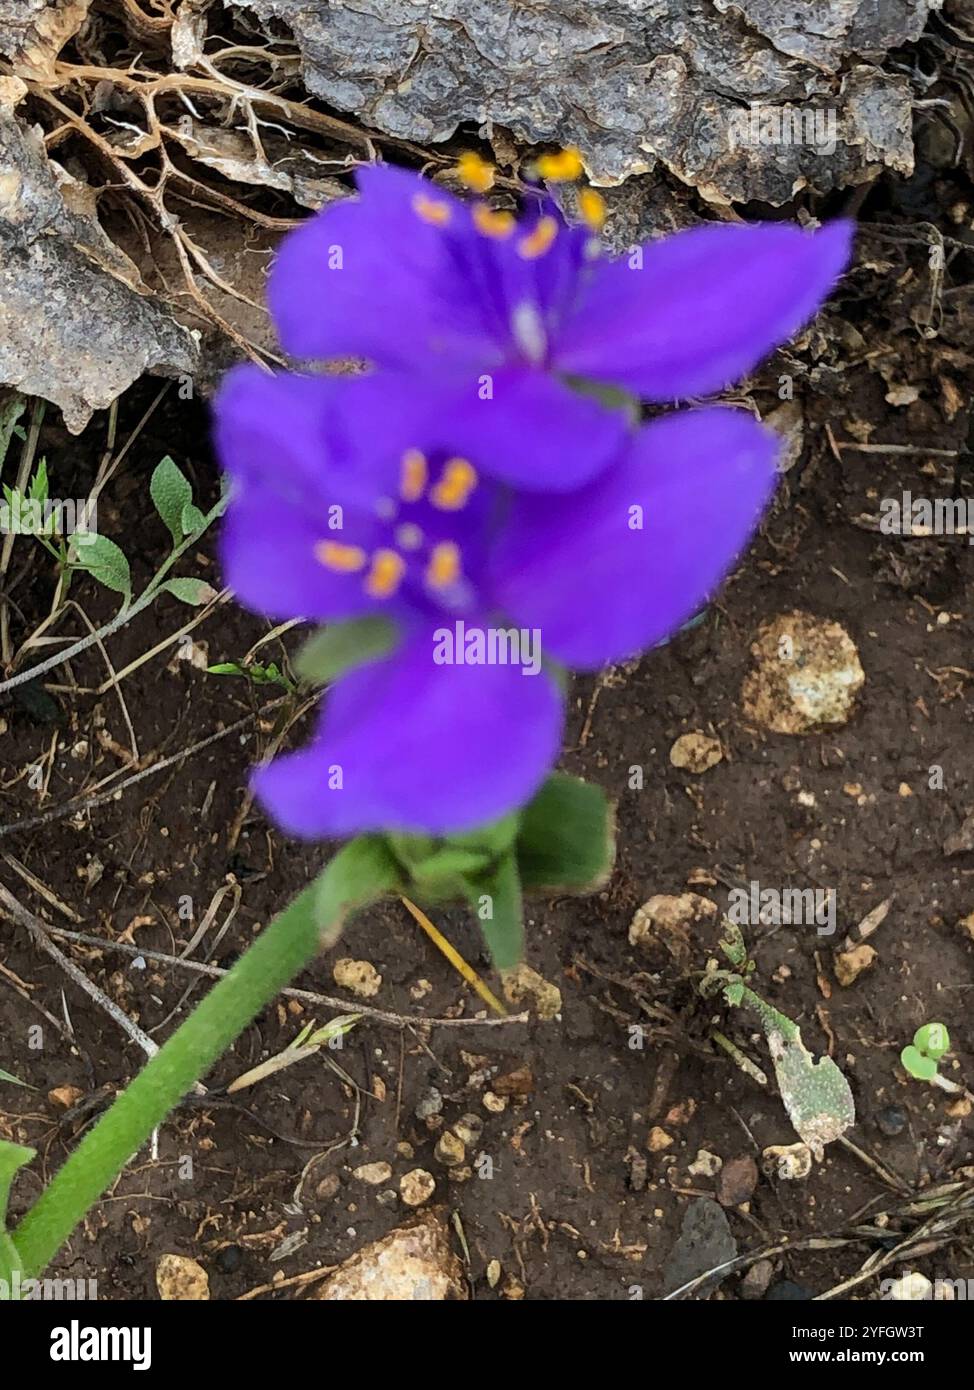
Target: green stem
[358, 873]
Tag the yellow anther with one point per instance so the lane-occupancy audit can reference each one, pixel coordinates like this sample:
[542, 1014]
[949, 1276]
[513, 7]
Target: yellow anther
[537, 242]
[432, 210]
[444, 565]
[592, 207]
[491, 223]
[343, 559]
[457, 482]
[383, 578]
[474, 172]
[562, 167]
[412, 480]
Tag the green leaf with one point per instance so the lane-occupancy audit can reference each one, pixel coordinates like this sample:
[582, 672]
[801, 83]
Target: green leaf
[932, 1039]
[734, 992]
[14, 1080]
[363, 870]
[195, 592]
[440, 870]
[10, 1264]
[494, 839]
[496, 899]
[816, 1095]
[566, 839]
[12, 1157]
[192, 519]
[260, 675]
[37, 489]
[102, 559]
[341, 646]
[171, 491]
[412, 850]
[732, 944]
[334, 1028]
[914, 1061]
[443, 874]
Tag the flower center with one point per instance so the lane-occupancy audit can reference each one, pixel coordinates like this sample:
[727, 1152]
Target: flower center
[436, 564]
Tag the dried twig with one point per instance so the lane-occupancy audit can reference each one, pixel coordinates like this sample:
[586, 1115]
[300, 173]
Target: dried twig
[306, 996]
[38, 931]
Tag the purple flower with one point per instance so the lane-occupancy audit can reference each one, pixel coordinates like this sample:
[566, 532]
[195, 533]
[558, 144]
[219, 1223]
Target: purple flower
[351, 499]
[499, 316]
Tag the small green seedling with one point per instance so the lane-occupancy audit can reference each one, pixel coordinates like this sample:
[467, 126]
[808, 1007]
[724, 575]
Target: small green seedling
[920, 1059]
[14, 1080]
[256, 673]
[814, 1092]
[309, 1041]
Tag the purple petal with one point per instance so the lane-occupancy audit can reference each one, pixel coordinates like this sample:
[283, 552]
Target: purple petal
[288, 495]
[267, 555]
[600, 588]
[406, 744]
[518, 426]
[371, 278]
[271, 429]
[704, 308]
[531, 431]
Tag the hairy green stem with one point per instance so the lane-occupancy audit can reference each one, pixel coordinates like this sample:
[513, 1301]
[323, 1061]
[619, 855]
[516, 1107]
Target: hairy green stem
[278, 954]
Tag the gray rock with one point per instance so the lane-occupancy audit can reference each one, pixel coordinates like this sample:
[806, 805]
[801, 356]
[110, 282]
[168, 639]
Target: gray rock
[633, 85]
[755, 1282]
[33, 31]
[705, 1241]
[77, 326]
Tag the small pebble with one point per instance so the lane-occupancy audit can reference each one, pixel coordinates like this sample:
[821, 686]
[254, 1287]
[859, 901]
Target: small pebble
[469, 1128]
[417, 1187]
[705, 1165]
[756, 1280]
[787, 1292]
[359, 977]
[891, 1120]
[429, 1103]
[450, 1150]
[227, 1260]
[373, 1173]
[738, 1179]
